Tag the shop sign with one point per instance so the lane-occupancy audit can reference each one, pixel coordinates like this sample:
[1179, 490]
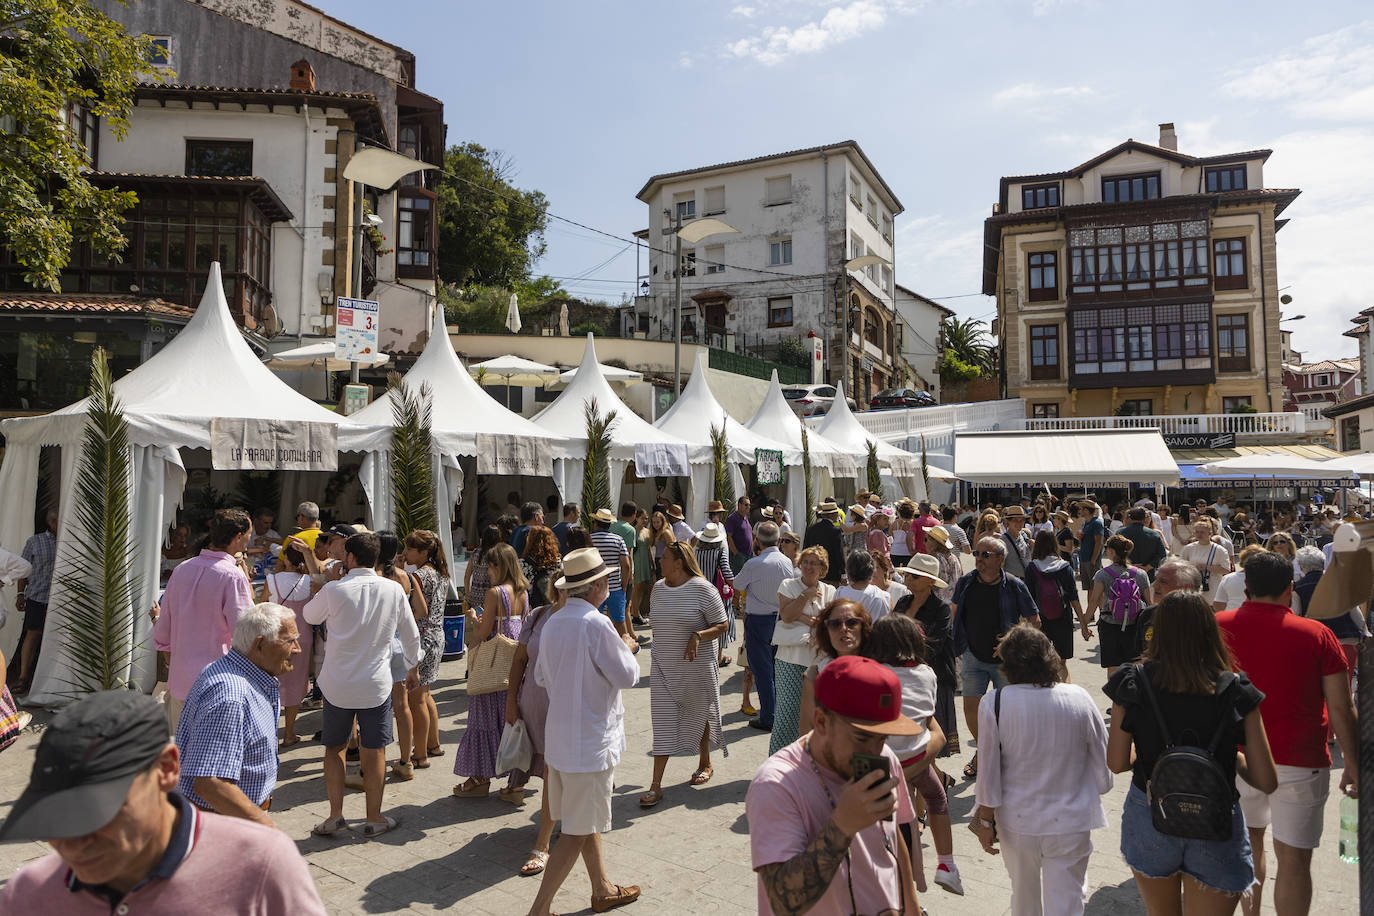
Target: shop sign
[768, 465]
[243, 444]
[502, 453]
[1200, 440]
[355, 329]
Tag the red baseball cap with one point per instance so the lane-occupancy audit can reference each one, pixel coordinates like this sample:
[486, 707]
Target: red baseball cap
[866, 693]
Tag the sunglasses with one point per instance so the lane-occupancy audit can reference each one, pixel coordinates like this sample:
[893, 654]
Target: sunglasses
[848, 623]
[986, 554]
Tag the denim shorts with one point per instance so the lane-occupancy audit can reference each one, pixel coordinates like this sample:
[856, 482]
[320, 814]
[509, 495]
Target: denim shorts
[978, 675]
[1225, 866]
[614, 605]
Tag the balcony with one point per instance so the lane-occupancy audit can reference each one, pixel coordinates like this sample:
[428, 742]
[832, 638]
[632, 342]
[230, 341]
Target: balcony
[1259, 426]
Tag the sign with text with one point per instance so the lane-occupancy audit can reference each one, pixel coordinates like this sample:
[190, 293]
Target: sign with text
[355, 329]
[768, 465]
[273, 445]
[500, 453]
[1200, 440]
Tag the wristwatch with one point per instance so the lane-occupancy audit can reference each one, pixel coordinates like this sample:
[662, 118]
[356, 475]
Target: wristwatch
[983, 822]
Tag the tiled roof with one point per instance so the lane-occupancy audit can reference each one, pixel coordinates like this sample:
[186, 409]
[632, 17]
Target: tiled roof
[1326, 365]
[1129, 145]
[92, 304]
[363, 106]
[260, 90]
[261, 191]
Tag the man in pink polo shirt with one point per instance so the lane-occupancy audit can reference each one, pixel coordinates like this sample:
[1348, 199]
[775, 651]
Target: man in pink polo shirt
[204, 599]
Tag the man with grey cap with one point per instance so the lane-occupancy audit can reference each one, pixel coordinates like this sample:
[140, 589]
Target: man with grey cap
[103, 794]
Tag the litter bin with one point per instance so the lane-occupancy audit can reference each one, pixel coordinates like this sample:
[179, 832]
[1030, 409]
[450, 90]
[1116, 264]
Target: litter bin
[453, 637]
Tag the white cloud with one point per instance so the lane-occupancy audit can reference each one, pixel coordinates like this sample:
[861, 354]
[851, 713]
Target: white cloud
[744, 12]
[1032, 92]
[773, 44]
[685, 61]
[1045, 7]
[1329, 76]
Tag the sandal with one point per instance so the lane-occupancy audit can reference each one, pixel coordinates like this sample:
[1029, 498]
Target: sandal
[515, 795]
[651, 798]
[534, 864]
[371, 829]
[291, 742]
[749, 709]
[435, 751]
[971, 768]
[473, 789]
[420, 763]
[702, 776]
[329, 827]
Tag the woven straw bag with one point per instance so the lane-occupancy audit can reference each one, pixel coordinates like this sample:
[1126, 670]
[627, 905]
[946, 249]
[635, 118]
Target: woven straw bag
[489, 661]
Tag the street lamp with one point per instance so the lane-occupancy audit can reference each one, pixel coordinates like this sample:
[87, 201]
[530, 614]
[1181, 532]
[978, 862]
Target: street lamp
[692, 233]
[853, 264]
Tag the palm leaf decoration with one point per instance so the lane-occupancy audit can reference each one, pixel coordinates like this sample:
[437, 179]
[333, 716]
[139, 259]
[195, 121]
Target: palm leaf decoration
[720, 467]
[412, 457]
[875, 480]
[98, 557]
[806, 477]
[925, 469]
[596, 482]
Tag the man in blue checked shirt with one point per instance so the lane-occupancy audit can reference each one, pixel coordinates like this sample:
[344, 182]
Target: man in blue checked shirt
[227, 733]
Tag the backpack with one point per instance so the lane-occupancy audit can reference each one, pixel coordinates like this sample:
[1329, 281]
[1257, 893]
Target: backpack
[1189, 792]
[1124, 600]
[1047, 595]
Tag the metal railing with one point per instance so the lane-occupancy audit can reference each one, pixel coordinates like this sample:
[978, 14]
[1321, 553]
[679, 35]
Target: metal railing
[934, 427]
[1289, 423]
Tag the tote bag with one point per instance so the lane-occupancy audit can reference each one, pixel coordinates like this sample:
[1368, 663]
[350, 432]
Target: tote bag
[489, 661]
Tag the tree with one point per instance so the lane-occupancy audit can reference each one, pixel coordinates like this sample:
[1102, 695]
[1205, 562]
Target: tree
[596, 482]
[54, 53]
[490, 232]
[412, 457]
[967, 342]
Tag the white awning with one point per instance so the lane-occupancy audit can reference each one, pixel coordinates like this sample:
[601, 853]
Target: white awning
[1106, 456]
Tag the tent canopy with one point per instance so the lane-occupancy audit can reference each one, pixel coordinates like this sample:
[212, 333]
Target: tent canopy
[694, 414]
[841, 427]
[516, 370]
[777, 421]
[1362, 464]
[1193, 476]
[1110, 456]
[612, 374]
[1277, 465]
[320, 356]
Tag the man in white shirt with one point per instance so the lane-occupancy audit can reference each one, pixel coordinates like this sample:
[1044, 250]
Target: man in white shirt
[362, 611]
[583, 665]
[756, 586]
[681, 530]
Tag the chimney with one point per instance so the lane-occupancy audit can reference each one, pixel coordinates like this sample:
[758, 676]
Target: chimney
[303, 76]
[1167, 138]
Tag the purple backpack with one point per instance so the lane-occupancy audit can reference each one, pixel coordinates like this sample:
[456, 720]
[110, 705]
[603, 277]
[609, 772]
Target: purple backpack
[1124, 600]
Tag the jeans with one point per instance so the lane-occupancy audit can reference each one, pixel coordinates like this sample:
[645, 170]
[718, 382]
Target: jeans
[758, 645]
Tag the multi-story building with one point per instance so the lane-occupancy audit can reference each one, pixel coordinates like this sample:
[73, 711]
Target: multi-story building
[1312, 387]
[1360, 334]
[1143, 281]
[920, 343]
[239, 158]
[799, 218]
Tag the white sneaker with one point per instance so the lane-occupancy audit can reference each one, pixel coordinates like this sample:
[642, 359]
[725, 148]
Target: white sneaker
[949, 879]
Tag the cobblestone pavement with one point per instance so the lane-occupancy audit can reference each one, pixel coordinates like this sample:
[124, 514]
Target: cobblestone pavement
[691, 854]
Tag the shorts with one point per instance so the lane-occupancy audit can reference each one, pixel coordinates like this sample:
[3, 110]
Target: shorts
[582, 801]
[398, 667]
[978, 675]
[374, 725]
[1118, 644]
[1223, 865]
[614, 605]
[1294, 809]
[1060, 631]
[1086, 571]
[35, 616]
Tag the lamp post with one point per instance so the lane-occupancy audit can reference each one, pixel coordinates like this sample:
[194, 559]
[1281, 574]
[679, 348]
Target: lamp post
[853, 264]
[691, 232]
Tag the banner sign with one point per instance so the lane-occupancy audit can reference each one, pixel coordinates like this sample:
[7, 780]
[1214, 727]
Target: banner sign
[843, 466]
[355, 329]
[660, 459]
[273, 445]
[904, 467]
[768, 466]
[514, 455]
[1240, 483]
[1200, 440]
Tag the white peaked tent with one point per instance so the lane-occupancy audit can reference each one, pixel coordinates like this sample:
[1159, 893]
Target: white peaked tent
[692, 418]
[653, 452]
[206, 373]
[841, 427]
[776, 420]
[464, 421]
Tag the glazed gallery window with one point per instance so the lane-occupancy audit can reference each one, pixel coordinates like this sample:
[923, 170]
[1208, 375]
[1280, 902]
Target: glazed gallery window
[1113, 259]
[1143, 338]
[1233, 343]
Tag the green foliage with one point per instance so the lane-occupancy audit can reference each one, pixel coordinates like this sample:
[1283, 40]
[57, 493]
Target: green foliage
[806, 476]
[490, 232]
[97, 563]
[720, 467]
[792, 352]
[596, 482]
[1245, 408]
[875, 480]
[481, 308]
[412, 456]
[925, 470]
[952, 369]
[54, 52]
[583, 328]
[967, 342]
[258, 490]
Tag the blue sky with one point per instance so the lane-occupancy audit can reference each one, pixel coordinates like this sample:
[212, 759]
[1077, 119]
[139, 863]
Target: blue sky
[591, 98]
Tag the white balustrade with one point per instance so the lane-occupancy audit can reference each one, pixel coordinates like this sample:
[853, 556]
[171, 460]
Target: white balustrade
[1277, 424]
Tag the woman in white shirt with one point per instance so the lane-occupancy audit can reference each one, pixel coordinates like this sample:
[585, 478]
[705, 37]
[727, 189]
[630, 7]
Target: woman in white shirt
[1039, 521]
[1212, 559]
[861, 590]
[1043, 815]
[800, 600]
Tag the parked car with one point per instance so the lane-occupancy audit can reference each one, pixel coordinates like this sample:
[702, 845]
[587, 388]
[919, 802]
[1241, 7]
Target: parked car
[812, 400]
[901, 397]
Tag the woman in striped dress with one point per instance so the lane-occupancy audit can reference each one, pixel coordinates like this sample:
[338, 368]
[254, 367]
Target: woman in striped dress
[424, 551]
[712, 557]
[684, 686]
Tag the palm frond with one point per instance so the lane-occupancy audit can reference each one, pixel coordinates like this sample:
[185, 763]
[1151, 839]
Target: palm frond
[720, 467]
[875, 480]
[412, 457]
[925, 469]
[806, 477]
[96, 565]
[596, 482]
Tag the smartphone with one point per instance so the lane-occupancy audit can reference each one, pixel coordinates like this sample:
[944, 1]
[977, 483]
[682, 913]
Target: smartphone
[861, 764]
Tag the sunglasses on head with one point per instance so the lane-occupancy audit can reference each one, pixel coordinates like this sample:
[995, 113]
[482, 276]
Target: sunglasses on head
[848, 623]
[986, 554]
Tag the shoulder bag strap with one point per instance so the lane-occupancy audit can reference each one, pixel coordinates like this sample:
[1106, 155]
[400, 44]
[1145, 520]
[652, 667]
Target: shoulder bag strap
[997, 716]
[1148, 690]
[1224, 684]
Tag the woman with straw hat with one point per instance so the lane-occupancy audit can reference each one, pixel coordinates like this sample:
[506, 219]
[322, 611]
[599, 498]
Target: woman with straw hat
[824, 532]
[937, 545]
[932, 613]
[714, 562]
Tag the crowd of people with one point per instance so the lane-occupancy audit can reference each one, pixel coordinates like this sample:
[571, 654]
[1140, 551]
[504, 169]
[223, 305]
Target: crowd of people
[855, 630]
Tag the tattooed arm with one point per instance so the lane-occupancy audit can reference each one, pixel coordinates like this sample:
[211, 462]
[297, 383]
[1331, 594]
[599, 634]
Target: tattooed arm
[796, 885]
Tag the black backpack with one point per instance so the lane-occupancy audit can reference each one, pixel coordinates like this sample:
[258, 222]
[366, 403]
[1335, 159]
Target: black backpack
[1189, 792]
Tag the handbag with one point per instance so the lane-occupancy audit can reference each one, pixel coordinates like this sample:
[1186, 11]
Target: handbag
[516, 751]
[489, 661]
[11, 719]
[723, 588]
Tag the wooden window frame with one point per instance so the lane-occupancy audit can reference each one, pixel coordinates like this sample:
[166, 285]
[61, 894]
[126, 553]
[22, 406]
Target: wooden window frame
[194, 143]
[1042, 293]
[1148, 402]
[772, 322]
[1218, 171]
[1230, 280]
[1230, 402]
[1115, 182]
[1047, 371]
[1228, 360]
[1045, 410]
[415, 271]
[1349, 424]
[1048, 189]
